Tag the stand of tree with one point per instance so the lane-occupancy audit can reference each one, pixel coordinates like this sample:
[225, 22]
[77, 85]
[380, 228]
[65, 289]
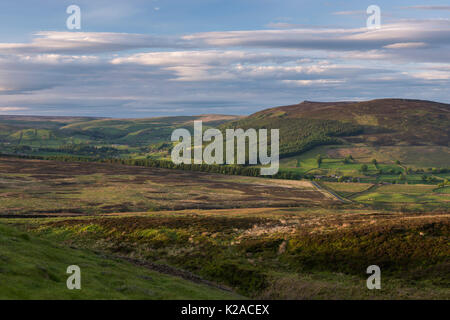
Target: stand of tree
[299, 135]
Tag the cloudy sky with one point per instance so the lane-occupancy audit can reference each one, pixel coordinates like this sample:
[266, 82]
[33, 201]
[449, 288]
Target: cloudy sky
[142, 58]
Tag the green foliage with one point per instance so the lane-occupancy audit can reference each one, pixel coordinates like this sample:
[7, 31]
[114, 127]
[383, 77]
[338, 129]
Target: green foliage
[348, 160]
[443, 183]
[397, 250]
[319, 160]
[298, 135]
[249, 279]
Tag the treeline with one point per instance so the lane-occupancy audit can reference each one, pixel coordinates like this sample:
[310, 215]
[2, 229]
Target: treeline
[74, 149]
[242, 170]
[87, 150]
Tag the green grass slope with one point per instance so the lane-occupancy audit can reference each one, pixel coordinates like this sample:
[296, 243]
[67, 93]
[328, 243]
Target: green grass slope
[33, 268]
[140, 131]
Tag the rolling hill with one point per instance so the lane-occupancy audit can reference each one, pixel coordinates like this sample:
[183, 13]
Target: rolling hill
[382, 121]
[139, 131]
[398, 133]
[407, 127]
[86, 136]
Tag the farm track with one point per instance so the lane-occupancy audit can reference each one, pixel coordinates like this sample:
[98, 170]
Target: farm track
[370, 189]
[327, 190]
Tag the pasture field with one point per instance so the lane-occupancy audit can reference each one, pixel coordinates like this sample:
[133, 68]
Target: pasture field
[410, 156]
[417, 197]
[388, 168]
[275, 253]
[347, 189]
[413, 195]
[445, 190]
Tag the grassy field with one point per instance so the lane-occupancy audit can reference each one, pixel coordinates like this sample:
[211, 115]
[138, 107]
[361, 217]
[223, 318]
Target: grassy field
[388, 168]
[348, 189]
[35, 268]
[409, 156]
[288, 253]
[406, 194]
[444, 190]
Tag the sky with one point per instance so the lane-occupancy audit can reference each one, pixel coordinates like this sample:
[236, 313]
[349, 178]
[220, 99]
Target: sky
[145, 58]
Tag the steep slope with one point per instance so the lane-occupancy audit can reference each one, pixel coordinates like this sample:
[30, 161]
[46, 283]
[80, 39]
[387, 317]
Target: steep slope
[35, 268]
[385, 121]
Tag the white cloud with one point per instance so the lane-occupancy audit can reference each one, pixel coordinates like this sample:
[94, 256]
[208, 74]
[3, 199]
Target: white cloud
[216, 57]
[431, 75]
[405, 45]
[87, 42]
[8, 109]
[302, 83]
[347, 13]
[435, 32]
[428, 7]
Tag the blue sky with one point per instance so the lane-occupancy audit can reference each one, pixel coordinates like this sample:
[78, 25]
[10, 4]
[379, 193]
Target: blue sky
[147, 58]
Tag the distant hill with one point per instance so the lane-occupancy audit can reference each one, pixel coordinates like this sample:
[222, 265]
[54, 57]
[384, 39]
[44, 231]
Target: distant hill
[140, 131]
[379, 122]
[303, 126]
[38, 131]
